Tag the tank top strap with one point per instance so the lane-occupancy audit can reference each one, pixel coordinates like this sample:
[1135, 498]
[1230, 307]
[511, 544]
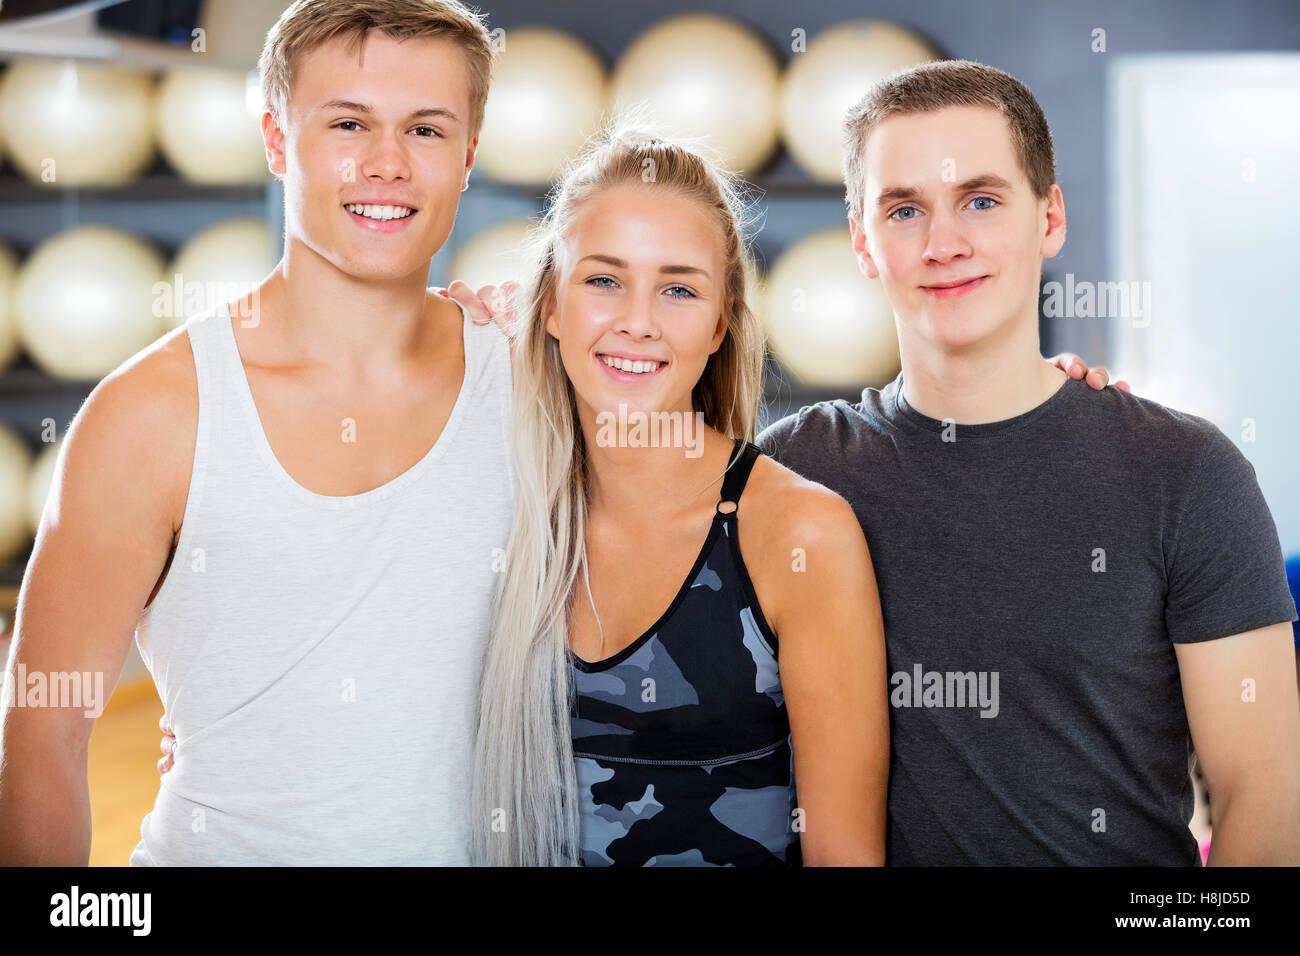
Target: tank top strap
[742, 461]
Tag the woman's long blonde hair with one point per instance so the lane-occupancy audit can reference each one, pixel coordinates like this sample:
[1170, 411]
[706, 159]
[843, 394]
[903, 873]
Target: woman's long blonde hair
[524, 788]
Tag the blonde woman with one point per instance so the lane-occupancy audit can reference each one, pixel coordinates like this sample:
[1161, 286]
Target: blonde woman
[685, 628]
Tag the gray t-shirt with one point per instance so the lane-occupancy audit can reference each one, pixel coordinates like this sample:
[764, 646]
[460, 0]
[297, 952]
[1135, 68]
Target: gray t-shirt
[1035, 574]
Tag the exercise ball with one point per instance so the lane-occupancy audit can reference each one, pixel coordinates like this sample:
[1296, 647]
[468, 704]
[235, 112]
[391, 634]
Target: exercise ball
[85, 301]
[209, 126]
[821, 85]
[69, 123]
[39, 478]
[707, 77]
[548, 93]
[8, 331]
[222, 263]
[828, 324]
[492, 255]
[15, 462]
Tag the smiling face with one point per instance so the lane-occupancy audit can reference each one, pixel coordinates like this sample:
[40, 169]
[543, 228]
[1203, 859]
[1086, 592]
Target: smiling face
[638, 304]
[952, 228]
[370, 134]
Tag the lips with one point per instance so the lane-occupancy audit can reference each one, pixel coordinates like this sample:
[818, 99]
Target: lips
[379, 225]
[622, 375]
[949, 290]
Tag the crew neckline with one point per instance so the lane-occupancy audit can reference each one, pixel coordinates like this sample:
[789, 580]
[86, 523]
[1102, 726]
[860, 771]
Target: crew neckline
[897, 406]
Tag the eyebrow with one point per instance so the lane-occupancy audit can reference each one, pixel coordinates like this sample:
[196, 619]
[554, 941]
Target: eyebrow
[666, 270]
[351, 106]
[986, 181]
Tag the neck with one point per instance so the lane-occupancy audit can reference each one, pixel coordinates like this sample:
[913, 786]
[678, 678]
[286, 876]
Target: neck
[634, 481]
[326, 317]
[988, 381]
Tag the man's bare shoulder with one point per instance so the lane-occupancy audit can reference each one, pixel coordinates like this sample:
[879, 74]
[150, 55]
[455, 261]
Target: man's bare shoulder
[138, 425]
[155, 388]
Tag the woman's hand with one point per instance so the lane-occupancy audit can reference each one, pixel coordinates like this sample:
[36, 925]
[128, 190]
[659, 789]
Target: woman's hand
[1073, 366]
[167, 745]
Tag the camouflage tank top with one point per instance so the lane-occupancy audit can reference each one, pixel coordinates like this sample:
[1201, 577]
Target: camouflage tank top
[681, 740]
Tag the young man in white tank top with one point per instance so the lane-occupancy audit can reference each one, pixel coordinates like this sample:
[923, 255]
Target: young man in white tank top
[293, 502]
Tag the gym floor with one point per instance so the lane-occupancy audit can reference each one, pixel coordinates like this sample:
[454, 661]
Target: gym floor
[123, 770]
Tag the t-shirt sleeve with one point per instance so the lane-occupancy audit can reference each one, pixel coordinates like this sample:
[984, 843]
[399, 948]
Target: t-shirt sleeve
[774, 439]
[1225, 569]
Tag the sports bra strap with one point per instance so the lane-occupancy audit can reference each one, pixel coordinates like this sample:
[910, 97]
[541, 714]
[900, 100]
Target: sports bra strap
[742, 460]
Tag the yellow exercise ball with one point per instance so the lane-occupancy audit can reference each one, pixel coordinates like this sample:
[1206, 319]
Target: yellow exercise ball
[548, 93]
[223, 263]
[85, 301]
[209, 126]
[69, 123]
[15, 462]
[707, 77]
[822, 84]
[828, 324]
[8, 330]
[492, 255]
[39, 479]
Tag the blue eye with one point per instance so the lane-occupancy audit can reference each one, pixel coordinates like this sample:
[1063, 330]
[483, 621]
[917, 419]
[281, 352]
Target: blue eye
[598, 279]
[903, 209]
[988, 199]
[689, 293]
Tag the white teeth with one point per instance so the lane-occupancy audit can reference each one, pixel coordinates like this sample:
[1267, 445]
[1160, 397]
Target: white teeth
[627, 365]
[382, 213]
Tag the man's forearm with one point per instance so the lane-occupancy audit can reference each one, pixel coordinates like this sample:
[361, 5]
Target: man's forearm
[1258, 827]
[44, 811]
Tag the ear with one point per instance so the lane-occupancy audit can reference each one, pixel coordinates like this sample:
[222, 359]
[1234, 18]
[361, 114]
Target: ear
[549, 310]
[469, 162]
[720, 328]
[859, 237]
[1054, 237]
[273, 139]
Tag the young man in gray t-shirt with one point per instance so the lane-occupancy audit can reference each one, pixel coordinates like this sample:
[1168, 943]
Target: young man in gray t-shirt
[1076, 585]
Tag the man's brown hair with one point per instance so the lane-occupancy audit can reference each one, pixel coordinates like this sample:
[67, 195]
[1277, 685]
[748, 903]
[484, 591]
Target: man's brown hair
[309, 23]
[935, 86]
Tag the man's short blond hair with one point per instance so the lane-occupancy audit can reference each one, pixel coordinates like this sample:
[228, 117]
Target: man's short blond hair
[935, 86]
[308, 24]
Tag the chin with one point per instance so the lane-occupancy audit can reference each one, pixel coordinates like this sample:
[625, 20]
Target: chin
[950, 333]
[610, 404]
[381, 270]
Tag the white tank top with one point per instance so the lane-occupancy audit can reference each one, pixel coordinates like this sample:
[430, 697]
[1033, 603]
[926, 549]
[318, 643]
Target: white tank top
[320, 657]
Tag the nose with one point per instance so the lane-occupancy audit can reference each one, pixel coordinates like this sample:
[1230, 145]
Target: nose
[637, 319]
[946, 239]
[385, 161]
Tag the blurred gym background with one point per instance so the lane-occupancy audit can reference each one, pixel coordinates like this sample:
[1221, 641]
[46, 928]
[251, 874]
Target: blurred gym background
[134, 192]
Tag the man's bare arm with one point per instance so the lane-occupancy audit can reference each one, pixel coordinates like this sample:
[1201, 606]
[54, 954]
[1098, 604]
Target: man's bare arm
[117, 499]
[1245, 723]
